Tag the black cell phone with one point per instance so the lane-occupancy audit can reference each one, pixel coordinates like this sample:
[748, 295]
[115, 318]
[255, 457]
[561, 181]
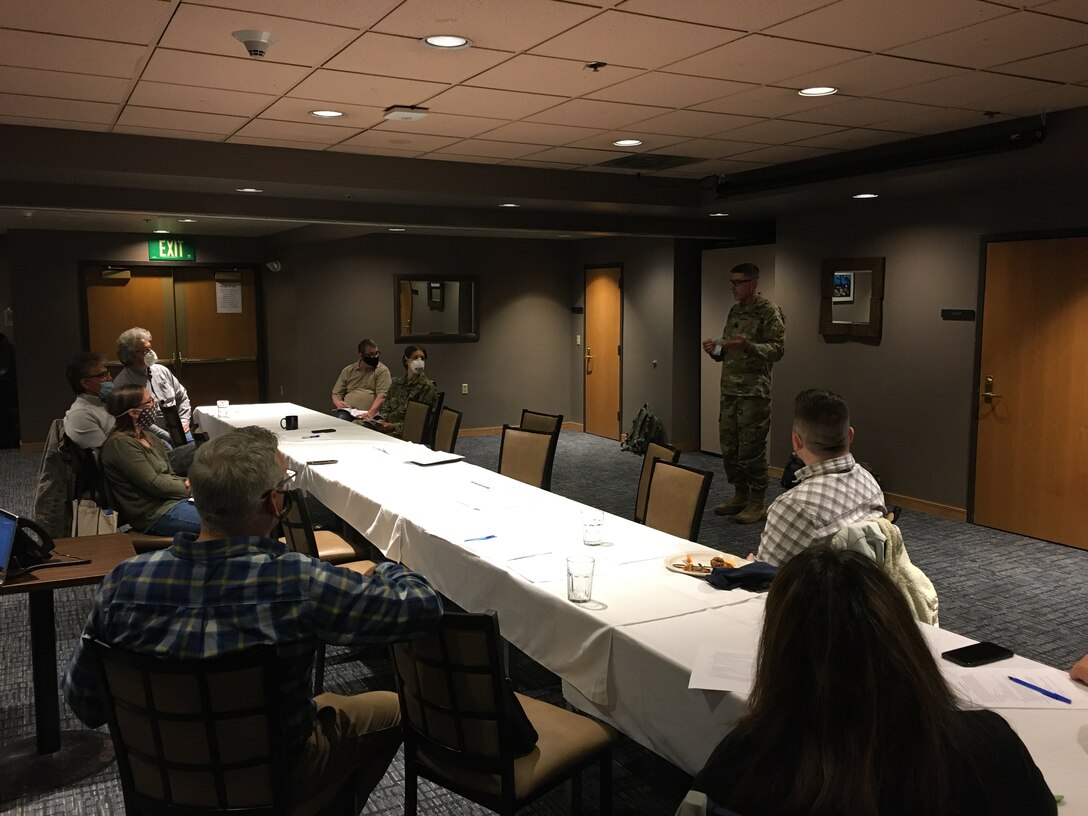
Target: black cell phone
[323, 430]
[977, 654]
[322, 462]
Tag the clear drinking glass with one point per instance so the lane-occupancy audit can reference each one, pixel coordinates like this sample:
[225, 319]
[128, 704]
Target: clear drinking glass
[592, 523]
[579, 578]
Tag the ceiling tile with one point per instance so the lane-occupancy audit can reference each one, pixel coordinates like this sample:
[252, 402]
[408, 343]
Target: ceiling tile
[34, 82]
[254, 140]
[165, 133]
[26, 49]
[394, 140]
[484, 147]
[229, 73]
[127, 21]
[779, 131]
[444, 124]
[577, 155]
[634, 40]
[759, 101]
[375, 151]
[850, 112]
[505, 25]
[547, 75]
[669, 90]
[853, 139]
[207, 30]
[295, 131]
[42, 107]
[1055, 98]
[1075, 9]
[596, 114]
[290, 109]
[364, 89]
[747, 15]
[409, 58]
[708, 148]
[1015, 36]
[872, 75]
[28, 121]
[192, 98]
[487, 102]
[970, 90]
[539, 133]
[762, 60]
[650, 141]
[877, 25]
[1070, 65]
[692, 123]
[785, 153]
[180, 120]
[359, 14]
[938, 120]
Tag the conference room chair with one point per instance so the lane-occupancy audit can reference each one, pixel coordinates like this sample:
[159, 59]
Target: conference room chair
[446, 429]
[432, 420]
[676, 496]
[200, 736]
[535, 421]
[527, 455]
[466, 730]
[415, 422]
[654, 451]
[141, 542]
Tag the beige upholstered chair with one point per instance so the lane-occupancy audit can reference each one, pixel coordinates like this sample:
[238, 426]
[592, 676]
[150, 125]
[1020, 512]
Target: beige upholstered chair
[199, 736]
[527, 456]
[415, 422]
[534, 421]
[445, 437]
[466, 730]
[675, 499]
[654, 451]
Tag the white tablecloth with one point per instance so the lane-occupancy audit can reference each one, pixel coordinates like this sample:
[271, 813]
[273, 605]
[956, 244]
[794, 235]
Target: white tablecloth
[489, 542]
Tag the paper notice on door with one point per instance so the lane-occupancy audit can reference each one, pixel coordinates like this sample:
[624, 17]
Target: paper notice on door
[228, 297]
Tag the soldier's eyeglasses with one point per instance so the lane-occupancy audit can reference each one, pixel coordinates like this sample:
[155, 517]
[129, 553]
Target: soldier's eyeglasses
[735, 282]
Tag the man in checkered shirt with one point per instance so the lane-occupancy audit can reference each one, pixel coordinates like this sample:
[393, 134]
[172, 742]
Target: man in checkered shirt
[833, 491]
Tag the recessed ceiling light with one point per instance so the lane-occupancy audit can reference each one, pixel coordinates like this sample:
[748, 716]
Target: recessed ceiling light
[396, 229]
[187, 220]
[326, 114]
[819, 90]
[249, 190]
[161, 232]
[627, 142]
[509, 205]
[718, 215]
[866, 195]
[447, 41]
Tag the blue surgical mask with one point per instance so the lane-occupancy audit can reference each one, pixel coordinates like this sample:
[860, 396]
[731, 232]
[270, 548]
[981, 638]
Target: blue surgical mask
[105, 389]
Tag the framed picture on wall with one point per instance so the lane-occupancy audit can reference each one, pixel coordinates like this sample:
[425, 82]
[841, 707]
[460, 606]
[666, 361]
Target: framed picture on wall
[842, 287]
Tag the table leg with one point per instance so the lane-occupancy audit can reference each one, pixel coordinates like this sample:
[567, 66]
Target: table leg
[43, 655]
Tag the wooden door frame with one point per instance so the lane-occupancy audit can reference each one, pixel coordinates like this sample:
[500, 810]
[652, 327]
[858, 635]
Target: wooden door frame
[582, 354]
[258, 293]
[980, 313]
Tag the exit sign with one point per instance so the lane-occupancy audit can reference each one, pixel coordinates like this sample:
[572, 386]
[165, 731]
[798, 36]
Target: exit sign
[173, 249]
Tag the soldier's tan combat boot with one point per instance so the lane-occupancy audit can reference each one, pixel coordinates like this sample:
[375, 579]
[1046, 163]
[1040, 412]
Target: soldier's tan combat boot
[755, 511]
[734, 505]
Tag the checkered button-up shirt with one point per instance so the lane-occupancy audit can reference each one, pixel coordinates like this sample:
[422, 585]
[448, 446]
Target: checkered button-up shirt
[831, 495]
[199, 599]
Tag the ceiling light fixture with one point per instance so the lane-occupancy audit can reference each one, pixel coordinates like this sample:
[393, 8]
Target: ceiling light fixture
[404, 113]
[509, 205]
[326, 114]
[447, 41]
[718, 215]
[161, 232]
[186, 220]
[818, 90]
[867, 195]
[627, 142]
[249, 190]
[396, 229]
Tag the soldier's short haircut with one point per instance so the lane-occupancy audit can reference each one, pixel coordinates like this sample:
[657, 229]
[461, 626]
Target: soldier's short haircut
[749, 270]
[822, 419]
[366, 343]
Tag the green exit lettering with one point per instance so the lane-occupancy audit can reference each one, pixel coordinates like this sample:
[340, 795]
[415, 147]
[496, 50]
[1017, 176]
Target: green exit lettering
[177, 249]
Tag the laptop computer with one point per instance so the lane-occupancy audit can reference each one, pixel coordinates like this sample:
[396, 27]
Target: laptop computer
[9, 524]
[21, 553]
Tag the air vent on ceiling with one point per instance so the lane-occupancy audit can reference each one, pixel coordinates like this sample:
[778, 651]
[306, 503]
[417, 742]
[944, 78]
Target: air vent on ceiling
[649, 161]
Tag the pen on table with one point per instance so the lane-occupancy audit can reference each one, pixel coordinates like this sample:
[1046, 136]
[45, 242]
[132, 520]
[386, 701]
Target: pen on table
[481, 484]
[1052, 695]
[310, 436]
[479, 538]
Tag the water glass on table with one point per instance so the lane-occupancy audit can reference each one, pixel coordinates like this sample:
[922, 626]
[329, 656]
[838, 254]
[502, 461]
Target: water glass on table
[579, 578]
[222, 408]
[592, 524]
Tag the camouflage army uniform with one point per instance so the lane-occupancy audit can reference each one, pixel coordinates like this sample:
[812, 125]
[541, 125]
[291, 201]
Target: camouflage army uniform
[420, 389]
[745, 418]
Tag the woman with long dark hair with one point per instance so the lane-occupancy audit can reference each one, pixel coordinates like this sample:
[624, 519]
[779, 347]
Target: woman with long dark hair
[151, 496]
[850, 716]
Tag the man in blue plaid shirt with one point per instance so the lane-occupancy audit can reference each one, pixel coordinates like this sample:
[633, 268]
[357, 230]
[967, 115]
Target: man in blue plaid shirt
[232, 587]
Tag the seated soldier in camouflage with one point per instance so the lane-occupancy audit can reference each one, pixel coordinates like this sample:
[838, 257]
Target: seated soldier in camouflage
[414, 385]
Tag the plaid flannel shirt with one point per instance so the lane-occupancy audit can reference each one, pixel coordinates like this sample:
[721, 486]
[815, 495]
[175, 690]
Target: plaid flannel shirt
[200, 599]
[831, 495]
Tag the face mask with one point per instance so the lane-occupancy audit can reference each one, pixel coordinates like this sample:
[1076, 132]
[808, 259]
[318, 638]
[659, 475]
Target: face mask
[371, 360]
[417, 366]
[105, 389]
[146, 418]
[150, 358]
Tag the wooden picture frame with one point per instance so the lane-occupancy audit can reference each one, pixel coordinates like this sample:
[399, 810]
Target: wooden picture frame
[836, 268]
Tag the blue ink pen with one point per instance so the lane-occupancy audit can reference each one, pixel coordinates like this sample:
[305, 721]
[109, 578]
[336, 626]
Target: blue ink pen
[480, 538]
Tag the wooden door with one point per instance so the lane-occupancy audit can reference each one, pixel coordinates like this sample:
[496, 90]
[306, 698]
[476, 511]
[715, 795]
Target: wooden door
[603, 354]
[1031, 462]
[118, 302]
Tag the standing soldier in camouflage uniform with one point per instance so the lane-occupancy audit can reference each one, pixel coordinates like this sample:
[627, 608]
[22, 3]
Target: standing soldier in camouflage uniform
[752, 340]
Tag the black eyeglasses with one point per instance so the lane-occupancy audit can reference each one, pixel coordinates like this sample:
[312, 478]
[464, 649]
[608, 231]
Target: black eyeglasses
[101, 375]
[735, 282]
[284, 484]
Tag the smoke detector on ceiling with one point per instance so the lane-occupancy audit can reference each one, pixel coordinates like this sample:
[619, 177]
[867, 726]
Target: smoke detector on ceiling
[256, 42]
[404, 113]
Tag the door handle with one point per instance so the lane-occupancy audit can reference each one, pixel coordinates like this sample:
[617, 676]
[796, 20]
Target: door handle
[589, 360]
[988, 395]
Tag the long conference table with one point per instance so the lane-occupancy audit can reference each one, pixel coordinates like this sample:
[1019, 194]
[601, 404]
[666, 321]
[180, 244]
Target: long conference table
[489, 542]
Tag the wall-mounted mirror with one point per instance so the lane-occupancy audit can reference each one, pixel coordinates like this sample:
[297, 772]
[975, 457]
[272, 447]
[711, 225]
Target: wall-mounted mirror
[852, 299]
[440, 309]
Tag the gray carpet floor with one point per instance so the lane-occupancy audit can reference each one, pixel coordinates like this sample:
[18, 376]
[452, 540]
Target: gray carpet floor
[1028, 595]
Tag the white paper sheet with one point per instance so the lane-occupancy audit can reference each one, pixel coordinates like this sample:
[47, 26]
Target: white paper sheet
[992, 688]
[228, 297]
[721, 670]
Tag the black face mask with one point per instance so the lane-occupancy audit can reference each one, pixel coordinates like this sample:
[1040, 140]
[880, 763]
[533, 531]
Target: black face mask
[371, 361]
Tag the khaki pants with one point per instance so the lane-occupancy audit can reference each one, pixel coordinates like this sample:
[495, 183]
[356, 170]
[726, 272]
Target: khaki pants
[743, 426]
[353, 736]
